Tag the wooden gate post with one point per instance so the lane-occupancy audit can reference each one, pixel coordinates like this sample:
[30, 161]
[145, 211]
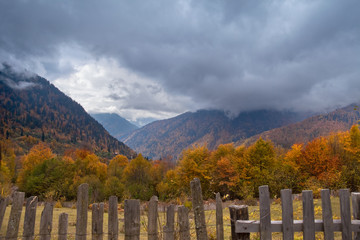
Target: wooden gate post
[265, 215]
[169, 228]
[183, 220]
[97, 221]
[46, 221]
[346, 232]
[15, 214]
[327, 215]
[132, 219]
[287, 214]
[29, 220]
[219, 218]
[113, 222]
[82, 204]
[238, 212]
[63, 226]
[152, 219]
[3, 203]
[355, 196]
[198, 207]
[308, 215]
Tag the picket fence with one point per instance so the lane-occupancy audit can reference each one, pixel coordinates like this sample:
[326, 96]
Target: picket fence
[241, 227]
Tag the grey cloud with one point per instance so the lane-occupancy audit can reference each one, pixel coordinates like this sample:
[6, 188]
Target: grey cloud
[233, 55]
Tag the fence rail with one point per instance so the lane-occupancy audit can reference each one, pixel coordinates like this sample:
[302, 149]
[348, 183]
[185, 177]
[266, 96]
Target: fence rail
[309, 226]
[241, 226]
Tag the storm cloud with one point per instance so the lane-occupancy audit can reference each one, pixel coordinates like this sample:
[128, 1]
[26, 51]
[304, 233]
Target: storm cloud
[160, 58]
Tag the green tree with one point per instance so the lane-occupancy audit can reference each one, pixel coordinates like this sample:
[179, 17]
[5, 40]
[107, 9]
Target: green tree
[137, 178]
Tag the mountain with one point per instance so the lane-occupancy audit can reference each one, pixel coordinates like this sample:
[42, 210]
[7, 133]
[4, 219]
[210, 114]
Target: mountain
[33, 110]
[301, 132]
[114, 124]
[210, 127]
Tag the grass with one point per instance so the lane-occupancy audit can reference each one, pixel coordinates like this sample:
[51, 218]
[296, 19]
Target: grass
[210, 219]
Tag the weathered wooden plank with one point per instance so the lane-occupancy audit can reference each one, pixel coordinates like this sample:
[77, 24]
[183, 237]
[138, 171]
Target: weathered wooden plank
[113, 222]
[132, 219]
[327, 214]
[3, 204]
[82, 204]
[97, 230]
[287, 214]
[46, 221]
[355, 196]
[344, 195]
[15, 215]
[183, 220]
[265, 215]
[153, 218]
[169, 228]
[198, 207]
[63, 226]
[29, 220]
[219, 218]
[308, 215]
[249, 226]
[238, 212]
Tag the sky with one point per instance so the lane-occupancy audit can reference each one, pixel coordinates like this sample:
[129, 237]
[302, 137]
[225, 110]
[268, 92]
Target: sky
[157, 59]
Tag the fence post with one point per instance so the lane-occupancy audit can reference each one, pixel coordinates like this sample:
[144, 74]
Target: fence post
[183, 220]
[113, 222]
[238, 212]
[308, 215]
[287, 214]
[3, 203]
[346, 232]
[356, 210]
[132, 219]
[46, 221]
[63, 226]
[152, 218]
[82, 203]
[219, 218]
[169, 227]
[198, 207]
[97, 221]
[265, 217]
[327, 215]
[15, 214]
[29, 220]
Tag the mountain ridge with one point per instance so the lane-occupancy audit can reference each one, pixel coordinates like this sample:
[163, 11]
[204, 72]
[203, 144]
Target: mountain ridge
[339, 120]
[116, 125]
[32, 107]
[169, 137]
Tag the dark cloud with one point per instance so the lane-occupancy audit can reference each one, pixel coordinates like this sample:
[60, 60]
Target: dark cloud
[233, 55]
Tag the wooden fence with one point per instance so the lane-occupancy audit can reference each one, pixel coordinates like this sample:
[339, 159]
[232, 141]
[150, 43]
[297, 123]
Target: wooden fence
[241, 227]
[308, 226]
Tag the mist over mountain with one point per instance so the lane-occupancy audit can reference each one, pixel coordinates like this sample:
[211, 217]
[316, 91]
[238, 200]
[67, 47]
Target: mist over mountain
[33, 110]
[167, 138]
[316, 126]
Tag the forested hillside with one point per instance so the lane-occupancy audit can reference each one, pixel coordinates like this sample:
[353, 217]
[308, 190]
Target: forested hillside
[302, 132]
[34, 110]
[167, 138]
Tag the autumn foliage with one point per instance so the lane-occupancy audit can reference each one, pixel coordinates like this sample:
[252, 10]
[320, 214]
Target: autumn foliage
[236, 172]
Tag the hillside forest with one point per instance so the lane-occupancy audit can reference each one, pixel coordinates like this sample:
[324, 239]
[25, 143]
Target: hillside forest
[236, 172]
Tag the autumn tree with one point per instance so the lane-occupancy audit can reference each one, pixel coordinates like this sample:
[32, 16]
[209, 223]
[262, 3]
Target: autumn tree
[351, 159]
[137, 178]
[37, 155]
[261, 159]
[194, 163]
